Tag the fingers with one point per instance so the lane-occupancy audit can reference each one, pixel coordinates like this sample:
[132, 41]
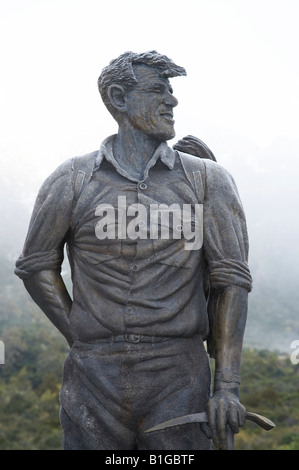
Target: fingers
[213, 421]
[225, 415]
[242, 415]
[222, 427]
[233, 419]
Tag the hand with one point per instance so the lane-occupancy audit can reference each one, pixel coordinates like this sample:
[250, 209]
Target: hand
[224, 409]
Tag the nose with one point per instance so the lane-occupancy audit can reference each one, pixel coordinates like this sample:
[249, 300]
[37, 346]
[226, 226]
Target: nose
[171, 100]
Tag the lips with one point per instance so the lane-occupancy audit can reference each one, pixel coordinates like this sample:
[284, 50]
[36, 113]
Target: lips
[167, 115]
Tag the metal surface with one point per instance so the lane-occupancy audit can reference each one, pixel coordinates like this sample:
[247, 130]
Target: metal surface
[260, 420]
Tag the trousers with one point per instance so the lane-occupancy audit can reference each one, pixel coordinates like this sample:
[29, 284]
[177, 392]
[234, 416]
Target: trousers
[113, 391]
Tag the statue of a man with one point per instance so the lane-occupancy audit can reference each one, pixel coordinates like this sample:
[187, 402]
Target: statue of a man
[145, 296]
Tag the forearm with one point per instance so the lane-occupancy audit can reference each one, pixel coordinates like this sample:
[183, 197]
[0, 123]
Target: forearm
[48, 291]
[228, 330]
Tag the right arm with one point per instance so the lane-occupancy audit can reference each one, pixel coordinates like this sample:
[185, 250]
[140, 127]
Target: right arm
[48, 291]
[40, 263]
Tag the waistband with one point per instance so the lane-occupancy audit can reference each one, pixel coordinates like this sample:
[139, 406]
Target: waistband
[133, 338]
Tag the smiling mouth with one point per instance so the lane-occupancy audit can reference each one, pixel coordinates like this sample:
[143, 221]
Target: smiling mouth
[168, 116]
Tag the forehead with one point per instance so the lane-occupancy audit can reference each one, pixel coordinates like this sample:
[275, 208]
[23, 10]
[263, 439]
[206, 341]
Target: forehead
[145, 75]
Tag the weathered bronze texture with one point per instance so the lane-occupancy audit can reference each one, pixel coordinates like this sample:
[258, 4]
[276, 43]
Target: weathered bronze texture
[147, 293]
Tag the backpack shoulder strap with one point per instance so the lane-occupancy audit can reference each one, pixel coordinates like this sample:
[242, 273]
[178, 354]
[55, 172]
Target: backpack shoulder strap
[195, 171]
[82, 169]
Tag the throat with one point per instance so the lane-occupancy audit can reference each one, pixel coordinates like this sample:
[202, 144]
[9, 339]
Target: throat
[133, 152]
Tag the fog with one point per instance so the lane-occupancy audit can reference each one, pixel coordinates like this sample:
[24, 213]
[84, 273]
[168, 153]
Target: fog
[240, 96]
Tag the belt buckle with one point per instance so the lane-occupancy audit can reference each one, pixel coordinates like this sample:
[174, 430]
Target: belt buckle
[132, 338]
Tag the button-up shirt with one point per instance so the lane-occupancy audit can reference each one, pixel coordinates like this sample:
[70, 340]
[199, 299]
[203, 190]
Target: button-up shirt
[137, 284]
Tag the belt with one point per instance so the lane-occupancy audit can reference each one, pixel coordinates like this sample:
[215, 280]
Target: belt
[133, 338]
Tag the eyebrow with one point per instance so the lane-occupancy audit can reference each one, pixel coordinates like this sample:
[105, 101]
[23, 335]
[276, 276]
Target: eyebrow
[157, 82]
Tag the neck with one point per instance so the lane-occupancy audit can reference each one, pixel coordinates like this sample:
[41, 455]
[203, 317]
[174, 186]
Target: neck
[133, 150]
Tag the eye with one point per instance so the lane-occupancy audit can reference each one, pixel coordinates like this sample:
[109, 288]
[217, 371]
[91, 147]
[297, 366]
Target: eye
[157, 88]
[160, 88]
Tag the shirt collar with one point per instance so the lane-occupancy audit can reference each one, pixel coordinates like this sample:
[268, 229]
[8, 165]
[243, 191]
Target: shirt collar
[165, 153]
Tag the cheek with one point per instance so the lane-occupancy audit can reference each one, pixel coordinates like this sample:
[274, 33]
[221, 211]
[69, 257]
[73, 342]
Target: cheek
[136, 108]
[143, 114]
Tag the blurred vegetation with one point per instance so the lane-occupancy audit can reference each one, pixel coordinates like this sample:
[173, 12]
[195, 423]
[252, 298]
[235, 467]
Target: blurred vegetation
[270, 387]
[31, 376]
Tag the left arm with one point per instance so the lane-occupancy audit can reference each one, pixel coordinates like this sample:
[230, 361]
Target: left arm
[226, 251]
[228, 329]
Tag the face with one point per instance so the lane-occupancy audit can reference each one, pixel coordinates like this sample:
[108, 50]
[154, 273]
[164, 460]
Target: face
[150, 104]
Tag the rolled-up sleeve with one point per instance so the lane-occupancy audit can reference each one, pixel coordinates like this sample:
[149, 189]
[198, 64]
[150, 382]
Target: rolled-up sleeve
[225, 232]
[49, 224]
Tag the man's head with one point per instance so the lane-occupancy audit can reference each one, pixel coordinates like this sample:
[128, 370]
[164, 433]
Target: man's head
[132, 85]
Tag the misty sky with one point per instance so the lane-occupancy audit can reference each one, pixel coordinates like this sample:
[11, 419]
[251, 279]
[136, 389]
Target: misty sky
[241, 57]
[241, 96]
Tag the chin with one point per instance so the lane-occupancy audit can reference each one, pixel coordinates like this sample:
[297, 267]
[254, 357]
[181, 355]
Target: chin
[161, 133]
[166, 135]
[170, 136]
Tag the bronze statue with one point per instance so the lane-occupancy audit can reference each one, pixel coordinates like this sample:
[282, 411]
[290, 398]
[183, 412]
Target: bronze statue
[157, 244]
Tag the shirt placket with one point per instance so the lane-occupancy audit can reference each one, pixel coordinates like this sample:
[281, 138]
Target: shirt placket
[131, 309]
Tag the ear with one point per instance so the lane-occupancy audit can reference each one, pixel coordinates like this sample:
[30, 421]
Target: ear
[116, 95]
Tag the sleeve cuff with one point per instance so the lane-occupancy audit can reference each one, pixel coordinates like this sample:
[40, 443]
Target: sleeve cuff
[227, 272]
[27, 266]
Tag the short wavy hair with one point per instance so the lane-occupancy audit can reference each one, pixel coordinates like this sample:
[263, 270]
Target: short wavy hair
[120, 71]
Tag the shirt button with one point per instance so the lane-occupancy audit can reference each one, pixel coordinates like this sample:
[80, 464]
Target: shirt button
[142, 185]
[135, 267]
[129, 311]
